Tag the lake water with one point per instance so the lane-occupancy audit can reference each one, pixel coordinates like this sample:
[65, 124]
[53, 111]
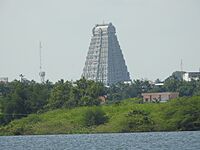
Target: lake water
[119, 141]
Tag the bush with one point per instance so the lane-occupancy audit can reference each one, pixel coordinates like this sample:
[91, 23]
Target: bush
[137, 120]
[94, 116]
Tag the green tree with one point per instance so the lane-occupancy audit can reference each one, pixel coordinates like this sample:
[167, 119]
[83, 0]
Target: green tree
[171, 84]
[60, 95]
[23, 98]
[89, 101]
[86, 92]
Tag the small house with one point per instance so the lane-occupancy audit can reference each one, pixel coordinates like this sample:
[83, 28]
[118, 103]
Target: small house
[159, 97]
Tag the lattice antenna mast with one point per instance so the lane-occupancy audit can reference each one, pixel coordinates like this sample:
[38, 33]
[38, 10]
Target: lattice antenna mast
[42, 73]
[181, 65]
[40, 48]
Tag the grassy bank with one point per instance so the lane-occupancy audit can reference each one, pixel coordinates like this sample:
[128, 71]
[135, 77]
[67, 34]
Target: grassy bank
[126, 116]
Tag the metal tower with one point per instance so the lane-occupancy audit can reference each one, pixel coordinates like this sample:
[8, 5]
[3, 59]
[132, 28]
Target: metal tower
[41, 73]
[105, 62]
[181, 65]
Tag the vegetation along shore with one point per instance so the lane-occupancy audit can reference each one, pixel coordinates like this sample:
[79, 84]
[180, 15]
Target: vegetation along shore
[74, 107]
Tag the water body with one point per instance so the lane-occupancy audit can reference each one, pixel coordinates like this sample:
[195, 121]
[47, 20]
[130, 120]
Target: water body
[119, 141]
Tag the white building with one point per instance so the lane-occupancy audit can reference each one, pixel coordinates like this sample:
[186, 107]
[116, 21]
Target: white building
[189, 76]
[4, 80]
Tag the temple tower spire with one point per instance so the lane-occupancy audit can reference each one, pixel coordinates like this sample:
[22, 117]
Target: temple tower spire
[105, 62]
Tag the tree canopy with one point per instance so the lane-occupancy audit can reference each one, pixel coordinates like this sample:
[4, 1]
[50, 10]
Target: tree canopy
[18, 99]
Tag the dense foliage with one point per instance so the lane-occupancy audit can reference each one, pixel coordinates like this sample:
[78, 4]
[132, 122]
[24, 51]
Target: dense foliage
[126, 116]
[18, 99]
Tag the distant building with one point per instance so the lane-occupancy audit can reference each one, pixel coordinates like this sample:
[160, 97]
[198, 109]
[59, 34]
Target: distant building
[159, 97]
[4, 80]
[102, 99]
[189, 76]
[159, 84]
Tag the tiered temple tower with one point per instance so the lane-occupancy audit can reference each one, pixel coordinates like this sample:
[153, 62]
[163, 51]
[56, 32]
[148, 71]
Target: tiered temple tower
[104, 61]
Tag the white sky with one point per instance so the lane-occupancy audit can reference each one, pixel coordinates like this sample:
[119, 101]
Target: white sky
[154, 36]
